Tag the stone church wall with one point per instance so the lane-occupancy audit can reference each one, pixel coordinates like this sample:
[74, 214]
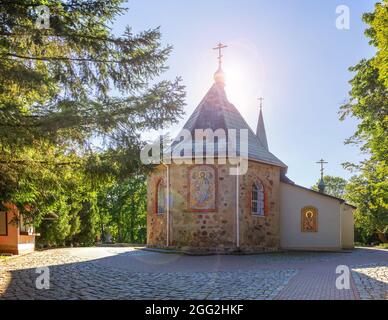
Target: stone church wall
[156, 223]
[215, 230]
[202, 230]
[260, 232]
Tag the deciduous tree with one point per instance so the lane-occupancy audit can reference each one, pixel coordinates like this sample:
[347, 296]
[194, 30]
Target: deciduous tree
[369, 104]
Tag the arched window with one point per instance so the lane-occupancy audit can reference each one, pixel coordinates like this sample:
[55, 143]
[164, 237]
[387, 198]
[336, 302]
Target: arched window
[160, 197]
[258, 199]
[309, 219]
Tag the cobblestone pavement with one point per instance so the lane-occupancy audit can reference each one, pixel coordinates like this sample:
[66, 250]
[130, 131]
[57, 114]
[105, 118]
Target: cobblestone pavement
[372, 281]
[128, 273]
[316, 284]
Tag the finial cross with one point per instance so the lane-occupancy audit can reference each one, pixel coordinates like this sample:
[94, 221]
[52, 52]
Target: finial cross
[322, 162]
[219, 47]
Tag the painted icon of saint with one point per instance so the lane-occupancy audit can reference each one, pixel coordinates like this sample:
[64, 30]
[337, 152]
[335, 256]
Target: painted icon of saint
[202, 188]
[309, 221]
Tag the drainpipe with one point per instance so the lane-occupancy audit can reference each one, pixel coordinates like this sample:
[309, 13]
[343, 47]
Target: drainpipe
[168, 205]
[237, 208]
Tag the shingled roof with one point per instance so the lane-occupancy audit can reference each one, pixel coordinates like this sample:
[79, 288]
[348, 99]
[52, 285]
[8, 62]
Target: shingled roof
[216, 112]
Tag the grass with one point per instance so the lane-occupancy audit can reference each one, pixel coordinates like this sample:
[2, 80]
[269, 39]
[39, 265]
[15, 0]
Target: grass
[378, 246]
[382, 246]
[4, 256]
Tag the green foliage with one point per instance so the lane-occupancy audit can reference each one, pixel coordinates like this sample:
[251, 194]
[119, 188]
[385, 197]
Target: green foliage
[125, 215]
[378, 34]
[334, 186]
[88, 216]
[383, 246]
[74, 101]
[369, 104]
[369, 191]
[74, 202]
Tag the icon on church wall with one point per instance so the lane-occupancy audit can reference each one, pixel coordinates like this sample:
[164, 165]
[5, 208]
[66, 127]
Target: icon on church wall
[309, 219]
[202, 188]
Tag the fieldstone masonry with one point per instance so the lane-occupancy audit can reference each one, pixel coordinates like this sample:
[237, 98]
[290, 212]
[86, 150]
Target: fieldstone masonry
[259, 233]
[215, 231]
[156, 223]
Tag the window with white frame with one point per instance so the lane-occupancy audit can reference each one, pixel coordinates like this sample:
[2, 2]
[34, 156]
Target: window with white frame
[257, 202]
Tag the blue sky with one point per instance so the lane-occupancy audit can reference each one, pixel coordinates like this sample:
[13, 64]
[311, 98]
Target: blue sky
[288, 51]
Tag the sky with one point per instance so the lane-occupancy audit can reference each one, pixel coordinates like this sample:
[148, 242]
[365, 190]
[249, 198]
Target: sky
[287, 51]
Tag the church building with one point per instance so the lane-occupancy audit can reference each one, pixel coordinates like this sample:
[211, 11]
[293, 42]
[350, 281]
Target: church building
[200, 207]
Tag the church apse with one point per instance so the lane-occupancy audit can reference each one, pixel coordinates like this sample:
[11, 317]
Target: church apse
[203, 209]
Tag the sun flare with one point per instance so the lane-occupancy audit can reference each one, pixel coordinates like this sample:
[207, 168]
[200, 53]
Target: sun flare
[237, 77]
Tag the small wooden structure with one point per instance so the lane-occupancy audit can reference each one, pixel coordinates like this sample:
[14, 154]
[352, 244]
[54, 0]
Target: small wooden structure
[15, 236]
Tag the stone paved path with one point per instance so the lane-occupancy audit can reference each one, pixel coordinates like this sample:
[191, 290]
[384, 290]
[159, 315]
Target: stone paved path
[372, 281]
[128, 273]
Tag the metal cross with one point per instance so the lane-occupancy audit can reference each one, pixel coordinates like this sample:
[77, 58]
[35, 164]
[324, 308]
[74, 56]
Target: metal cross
[322, 162]
[219, 47]
[261, 102]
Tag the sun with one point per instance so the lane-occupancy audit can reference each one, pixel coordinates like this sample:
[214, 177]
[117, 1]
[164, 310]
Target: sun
[236, 79]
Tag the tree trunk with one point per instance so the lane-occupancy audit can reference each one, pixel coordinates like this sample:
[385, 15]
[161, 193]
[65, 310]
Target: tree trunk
[382, 237]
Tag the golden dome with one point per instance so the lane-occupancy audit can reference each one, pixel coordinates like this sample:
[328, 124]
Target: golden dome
[219, 76]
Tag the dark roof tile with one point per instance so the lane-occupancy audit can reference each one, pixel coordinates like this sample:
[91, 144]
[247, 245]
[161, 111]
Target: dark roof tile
[216, 112]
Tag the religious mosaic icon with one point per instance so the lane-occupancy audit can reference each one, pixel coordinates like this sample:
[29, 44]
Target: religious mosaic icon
[309, 219]
[202, 188]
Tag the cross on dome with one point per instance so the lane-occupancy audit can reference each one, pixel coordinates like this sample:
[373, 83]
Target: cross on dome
[321, 184]
[219, 47]
[219, 76]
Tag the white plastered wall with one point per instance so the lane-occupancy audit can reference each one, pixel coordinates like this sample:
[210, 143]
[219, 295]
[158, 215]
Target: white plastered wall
[328, 237]
[347, 226]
